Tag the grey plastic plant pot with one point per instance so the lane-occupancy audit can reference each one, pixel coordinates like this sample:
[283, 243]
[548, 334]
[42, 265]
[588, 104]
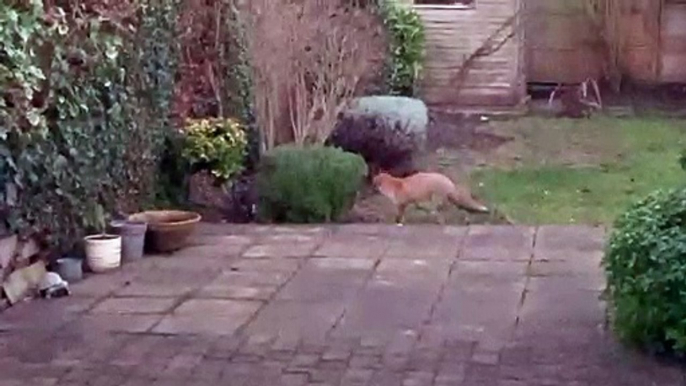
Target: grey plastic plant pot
[133, 238]
[70, 269]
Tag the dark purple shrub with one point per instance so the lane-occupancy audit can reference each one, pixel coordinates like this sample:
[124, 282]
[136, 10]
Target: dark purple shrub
[383, 146]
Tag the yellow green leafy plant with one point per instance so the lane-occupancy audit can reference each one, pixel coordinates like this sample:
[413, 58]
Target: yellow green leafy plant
[217, 145]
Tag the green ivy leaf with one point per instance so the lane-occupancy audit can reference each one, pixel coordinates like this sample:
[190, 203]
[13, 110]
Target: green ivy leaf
[34, 118]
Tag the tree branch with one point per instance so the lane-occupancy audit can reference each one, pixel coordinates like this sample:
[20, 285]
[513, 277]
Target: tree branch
[490, 46]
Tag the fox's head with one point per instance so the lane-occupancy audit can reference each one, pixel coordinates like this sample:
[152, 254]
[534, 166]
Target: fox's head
[380, 178]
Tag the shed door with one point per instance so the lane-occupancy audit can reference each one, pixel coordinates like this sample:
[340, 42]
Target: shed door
[673, 42]
[561, 44]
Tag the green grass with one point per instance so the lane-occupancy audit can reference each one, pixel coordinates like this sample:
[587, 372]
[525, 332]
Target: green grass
[631, 158]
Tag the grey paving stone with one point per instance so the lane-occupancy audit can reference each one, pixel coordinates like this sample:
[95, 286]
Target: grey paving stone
[280, 250]
[353, 246]
[138, 305]
[493, 243]
[208, 316]
[290, 319]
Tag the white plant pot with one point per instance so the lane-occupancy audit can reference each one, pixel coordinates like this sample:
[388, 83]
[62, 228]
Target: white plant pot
[103, 252]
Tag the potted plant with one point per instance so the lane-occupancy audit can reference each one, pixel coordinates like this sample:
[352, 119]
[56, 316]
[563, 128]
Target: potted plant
[103, 250]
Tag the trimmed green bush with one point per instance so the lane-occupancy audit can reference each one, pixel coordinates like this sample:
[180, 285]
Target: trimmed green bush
[645, 263]
[308, 185]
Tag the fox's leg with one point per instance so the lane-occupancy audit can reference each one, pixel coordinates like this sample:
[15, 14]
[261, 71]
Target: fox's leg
[440, 210]
[400, 216]
[440, 218]
[424, 207]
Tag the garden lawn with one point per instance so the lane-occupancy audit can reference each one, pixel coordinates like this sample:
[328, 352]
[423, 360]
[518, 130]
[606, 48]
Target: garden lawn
[582, 171]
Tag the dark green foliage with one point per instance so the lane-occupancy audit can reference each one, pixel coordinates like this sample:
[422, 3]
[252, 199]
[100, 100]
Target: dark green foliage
[87, 111]
[174, 174]
[158, 58]
[242, 200]
[84, 116]
[308, 185]
[645, 263]
[406, 51]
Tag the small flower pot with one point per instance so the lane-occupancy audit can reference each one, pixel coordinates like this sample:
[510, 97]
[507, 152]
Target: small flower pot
[132, 238]
[103, 252]
[70, 269]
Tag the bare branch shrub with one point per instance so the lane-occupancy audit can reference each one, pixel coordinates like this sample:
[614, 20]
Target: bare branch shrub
[308, 59]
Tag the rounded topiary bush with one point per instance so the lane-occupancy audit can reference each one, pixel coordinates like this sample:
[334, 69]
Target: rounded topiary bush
[645, 263]
[308, 184]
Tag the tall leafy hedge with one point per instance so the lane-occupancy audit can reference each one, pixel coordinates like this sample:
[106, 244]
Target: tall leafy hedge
[88, 101]
[74, 115]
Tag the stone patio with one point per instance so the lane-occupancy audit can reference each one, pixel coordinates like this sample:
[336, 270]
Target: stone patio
[340, 305]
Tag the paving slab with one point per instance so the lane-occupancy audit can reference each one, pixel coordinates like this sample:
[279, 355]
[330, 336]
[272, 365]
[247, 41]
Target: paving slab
[102, 285]
[493, 243]
[208, 316]
[140, 289]
[353, 245]
[266, 265]
[213, 248]
[175, 277]
[43, 315]
[193, 263]
[140, 305]
[486, 314]
[280, 249]
[298, 320]
[222, 290]
[385, 307]
[381, 308]
[425, 243]
[249, 278]
[330, 279]
[560, 238]
[550, 302]
[487, 271]
[118, 323]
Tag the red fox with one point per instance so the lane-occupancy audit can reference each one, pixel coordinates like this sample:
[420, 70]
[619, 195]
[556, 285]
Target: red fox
[422, 187]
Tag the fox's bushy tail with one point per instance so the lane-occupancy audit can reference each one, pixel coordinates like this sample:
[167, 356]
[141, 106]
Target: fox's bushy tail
[465, 201]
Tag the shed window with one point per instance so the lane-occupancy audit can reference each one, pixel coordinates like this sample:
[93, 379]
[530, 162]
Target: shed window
[445, 3]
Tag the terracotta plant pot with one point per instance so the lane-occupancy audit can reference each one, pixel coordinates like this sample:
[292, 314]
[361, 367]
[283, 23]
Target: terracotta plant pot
[168, 230]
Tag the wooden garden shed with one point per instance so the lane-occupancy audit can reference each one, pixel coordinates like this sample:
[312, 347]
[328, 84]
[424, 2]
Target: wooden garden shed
[564, 45]
[544, 41]
[474, 54]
